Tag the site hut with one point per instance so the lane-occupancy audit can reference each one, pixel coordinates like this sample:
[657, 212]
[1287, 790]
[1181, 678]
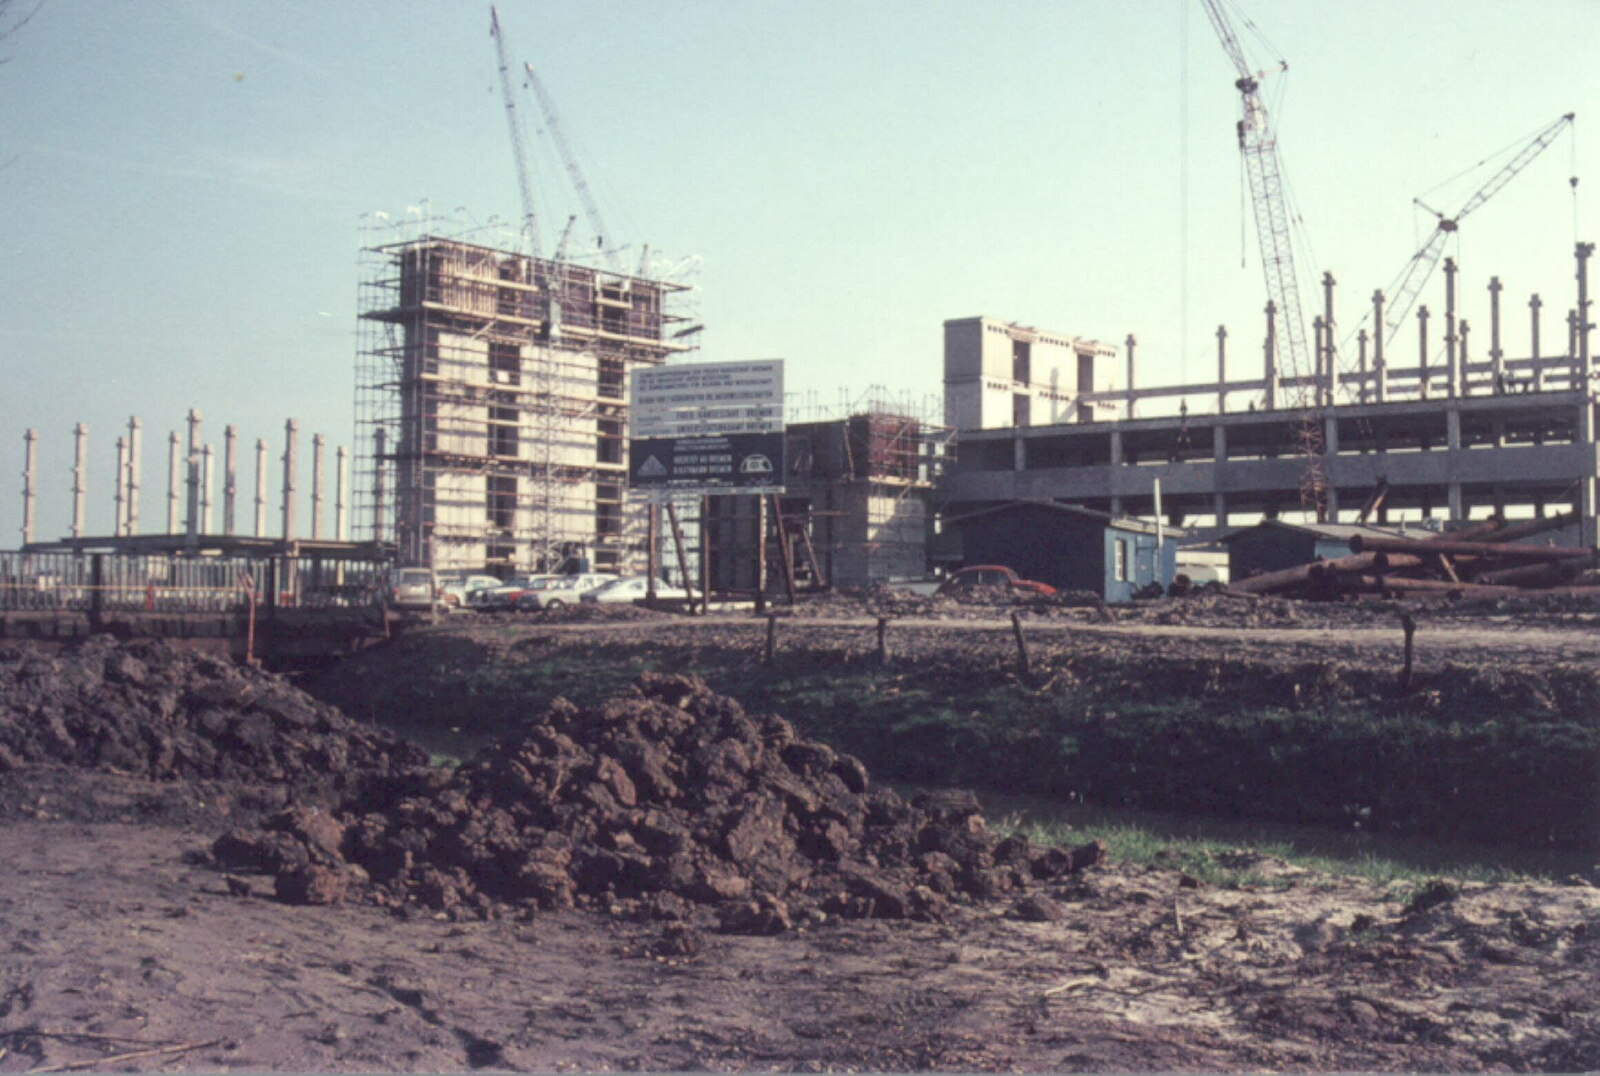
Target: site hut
[858, 507]
[1070, 547]
[491, 406]
[1275, 544]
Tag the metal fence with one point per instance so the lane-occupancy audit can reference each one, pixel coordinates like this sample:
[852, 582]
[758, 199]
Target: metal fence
[109, 582]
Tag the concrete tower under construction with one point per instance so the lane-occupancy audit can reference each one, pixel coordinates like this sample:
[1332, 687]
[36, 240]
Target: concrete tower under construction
[491, 404]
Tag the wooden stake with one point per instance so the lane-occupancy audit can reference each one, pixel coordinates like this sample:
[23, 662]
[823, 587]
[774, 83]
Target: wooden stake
[1024, 663]
[1409, 626]
[772, 638]
[883, 646]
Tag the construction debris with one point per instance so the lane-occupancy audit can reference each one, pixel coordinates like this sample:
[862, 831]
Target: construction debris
[1477, 562]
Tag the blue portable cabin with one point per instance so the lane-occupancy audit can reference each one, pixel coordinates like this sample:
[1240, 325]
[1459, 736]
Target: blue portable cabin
[1272, 544]
[1070, 547]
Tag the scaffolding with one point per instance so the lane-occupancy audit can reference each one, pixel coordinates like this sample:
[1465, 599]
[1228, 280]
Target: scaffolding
[491, 402]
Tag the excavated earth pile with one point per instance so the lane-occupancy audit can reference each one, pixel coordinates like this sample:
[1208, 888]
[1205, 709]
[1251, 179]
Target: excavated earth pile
[149, 710]
[671, 803]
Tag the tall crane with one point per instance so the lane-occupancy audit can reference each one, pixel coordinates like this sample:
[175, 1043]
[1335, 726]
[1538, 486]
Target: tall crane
[552, 123]
[519, 139]
[1408, 285]
[1258, 146]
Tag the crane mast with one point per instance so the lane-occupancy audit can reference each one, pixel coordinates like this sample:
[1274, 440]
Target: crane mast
[1408, 286]
[519, 139]
[1258, 147]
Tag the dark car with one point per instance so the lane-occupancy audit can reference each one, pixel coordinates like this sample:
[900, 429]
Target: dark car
[993, 577]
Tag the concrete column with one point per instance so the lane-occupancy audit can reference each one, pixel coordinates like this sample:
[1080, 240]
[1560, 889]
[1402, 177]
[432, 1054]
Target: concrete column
[1132, 343]
[1577, 370]
[196, 452]
[1116, 472]
[230, 477]
[172, 482]
[1222, 368]
[80, 435]
[1269, 351]
[291, 429]
[1463, 332]
[1361, 365]
[1380, 371]
[341, 487]
[1422, 353]
[261, 487]
[1329, 374]
[1219, 444]
[1319, 379]
[1587, 500]
[1451, 353]
[208, 476]
[1584, 251]
[316, 486]
[1538, 371]
[135, 437]
[1019, 453]
[122, 478]
[30, 479]
[1455, 506]
[1497, 369]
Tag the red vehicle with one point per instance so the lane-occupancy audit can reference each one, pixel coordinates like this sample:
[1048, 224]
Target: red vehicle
[971, 581]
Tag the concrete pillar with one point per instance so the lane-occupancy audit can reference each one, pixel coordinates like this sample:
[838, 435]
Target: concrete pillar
[1380, 371]
[1318, 353]
[1452, 428]
[1422, 353]
[341, 488]
[1330, 375]
[80, 435]
[172, 482]
[1584, 251]
[135, 437]
[1577, 370]
[196, 452]
[121, 496]
[1455, 505]
[1362, 391]
[1538, 371]
[208, 476]
[1451, 352]
[1222, 368]
[1019, 452]
[1463, 331]
[30, 480]
[230, 477]
[1131, 342]
[1587, 500]
[291, 429]
[1269, 352]
[316, 486]
[1116, 472]
[261, 487]
[1497, 368]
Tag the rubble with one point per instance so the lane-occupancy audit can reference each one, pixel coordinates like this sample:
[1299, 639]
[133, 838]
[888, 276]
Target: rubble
[664, 802]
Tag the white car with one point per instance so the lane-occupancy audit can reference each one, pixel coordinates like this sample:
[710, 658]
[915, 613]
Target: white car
[633, 588]
[504, 595]
[563, 590]
[458, 592]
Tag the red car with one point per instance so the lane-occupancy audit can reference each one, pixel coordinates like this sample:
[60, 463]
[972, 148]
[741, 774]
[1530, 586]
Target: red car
[969, 581]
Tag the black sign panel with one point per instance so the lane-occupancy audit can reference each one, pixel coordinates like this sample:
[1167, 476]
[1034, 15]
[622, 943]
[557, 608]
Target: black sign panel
[751, 462]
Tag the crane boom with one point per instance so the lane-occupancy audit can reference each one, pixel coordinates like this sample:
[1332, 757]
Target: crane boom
[552, 123]
[519, 138]
[1258, 146]
[1408, 285]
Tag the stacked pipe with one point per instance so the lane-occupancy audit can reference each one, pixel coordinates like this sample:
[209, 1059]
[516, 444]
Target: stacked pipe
[1481, 561]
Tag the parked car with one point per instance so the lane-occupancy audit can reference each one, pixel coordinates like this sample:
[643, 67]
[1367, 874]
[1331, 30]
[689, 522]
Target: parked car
[992, 577]
[413, 588]
[561, 590]
[632, 588]
[457, 591]
[504, 596]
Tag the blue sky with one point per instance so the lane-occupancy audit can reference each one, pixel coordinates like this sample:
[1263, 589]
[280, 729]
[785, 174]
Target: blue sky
[182, 182]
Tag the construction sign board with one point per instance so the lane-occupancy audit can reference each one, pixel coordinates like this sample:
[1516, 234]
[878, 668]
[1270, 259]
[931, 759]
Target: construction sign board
[707, 428]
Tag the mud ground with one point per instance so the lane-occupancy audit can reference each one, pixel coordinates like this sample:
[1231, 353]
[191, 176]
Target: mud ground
[121, 948]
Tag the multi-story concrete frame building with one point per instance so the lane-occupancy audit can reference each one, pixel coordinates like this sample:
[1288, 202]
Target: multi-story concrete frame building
[491, 405]
[1001, 374]
[1442, 434]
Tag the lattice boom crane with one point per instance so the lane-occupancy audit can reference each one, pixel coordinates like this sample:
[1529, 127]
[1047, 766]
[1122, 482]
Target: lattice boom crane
[519, 138]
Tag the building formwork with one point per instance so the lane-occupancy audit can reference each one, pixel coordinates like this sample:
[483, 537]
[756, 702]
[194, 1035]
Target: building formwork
[491, 405]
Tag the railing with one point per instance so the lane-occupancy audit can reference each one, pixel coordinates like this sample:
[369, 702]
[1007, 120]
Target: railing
[106, 582]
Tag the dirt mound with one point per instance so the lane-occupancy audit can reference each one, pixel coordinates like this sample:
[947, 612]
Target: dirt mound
[149, 710]
[662, 802]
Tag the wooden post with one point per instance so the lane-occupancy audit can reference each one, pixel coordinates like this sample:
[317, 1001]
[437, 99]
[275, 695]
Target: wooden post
[772, 638]
[883, 646]
[683, 558]
[652, 531]
[784, 552]
[761, 554]
[1409, 626]
[705, 555]
[1024, 663]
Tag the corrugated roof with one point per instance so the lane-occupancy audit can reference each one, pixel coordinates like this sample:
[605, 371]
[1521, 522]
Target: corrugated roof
[1337, 531]
[1124, 523]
